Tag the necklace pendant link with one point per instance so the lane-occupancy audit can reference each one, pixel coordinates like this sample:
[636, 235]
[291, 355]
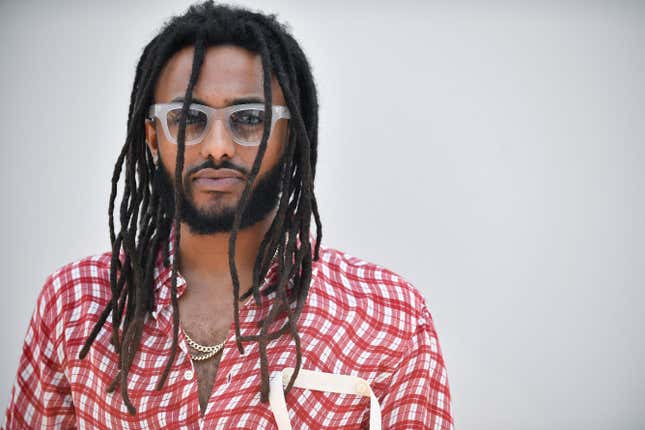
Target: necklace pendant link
[207, 350]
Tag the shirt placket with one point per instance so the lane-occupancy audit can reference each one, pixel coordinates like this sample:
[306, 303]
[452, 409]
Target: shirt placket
[231, 362]
[182, 371]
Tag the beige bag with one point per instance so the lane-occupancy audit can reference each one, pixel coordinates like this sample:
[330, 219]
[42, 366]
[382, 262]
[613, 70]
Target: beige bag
[320, 381]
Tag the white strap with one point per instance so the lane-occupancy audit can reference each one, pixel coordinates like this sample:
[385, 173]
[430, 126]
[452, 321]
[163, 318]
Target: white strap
[320, 381]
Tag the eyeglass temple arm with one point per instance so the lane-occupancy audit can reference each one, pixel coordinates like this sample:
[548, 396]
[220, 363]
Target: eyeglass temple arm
[281, 112]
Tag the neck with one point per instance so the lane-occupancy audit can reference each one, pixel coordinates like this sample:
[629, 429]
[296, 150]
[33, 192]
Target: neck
[206, 257]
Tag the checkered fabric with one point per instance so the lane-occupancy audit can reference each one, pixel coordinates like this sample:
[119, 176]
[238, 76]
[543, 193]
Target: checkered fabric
[359, 319]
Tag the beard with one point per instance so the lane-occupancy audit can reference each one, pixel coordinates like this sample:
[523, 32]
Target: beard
[264, 197]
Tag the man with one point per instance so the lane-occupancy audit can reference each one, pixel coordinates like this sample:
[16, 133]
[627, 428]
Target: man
[213, 288]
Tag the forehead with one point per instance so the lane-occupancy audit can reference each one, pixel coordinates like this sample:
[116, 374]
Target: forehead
[228, 72]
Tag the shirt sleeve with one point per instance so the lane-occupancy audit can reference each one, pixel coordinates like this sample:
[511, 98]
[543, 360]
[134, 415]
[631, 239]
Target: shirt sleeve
[419, 396]
[41, 396]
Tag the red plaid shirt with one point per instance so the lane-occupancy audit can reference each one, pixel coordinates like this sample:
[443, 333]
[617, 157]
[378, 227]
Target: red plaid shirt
[359, 319]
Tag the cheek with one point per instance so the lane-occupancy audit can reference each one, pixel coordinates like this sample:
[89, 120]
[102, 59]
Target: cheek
[169, 157]
[275, 146]
[270, 158]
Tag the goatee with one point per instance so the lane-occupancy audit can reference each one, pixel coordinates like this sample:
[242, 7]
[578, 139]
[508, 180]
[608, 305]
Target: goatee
[263, 199]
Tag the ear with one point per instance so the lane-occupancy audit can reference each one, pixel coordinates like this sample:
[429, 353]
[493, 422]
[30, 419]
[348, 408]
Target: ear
[151, 137]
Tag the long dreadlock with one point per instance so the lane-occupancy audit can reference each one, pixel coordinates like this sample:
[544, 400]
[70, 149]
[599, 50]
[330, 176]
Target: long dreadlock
[287, 238]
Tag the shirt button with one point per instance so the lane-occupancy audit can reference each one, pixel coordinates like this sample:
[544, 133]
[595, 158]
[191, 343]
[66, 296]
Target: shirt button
[188, 375]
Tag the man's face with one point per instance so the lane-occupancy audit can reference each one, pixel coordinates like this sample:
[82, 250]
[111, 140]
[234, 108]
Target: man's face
[228, 75]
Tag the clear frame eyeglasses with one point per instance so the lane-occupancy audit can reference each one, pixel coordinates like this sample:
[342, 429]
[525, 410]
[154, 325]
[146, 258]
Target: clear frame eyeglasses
[245, 122]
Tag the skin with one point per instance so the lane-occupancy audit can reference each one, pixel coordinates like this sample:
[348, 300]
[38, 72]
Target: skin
[206, 307]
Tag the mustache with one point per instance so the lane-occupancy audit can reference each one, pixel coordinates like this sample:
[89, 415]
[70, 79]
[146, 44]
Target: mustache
[210, 164]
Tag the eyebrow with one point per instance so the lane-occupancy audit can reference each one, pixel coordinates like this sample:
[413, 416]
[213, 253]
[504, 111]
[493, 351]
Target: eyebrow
[237, 101]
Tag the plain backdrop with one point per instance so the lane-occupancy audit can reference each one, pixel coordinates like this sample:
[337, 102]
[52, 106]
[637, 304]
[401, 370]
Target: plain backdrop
[491, 153]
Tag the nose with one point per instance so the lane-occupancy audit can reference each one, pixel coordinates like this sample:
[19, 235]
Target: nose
[218, 142]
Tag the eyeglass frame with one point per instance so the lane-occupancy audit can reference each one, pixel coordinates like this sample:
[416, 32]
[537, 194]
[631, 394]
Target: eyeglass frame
[160, 111]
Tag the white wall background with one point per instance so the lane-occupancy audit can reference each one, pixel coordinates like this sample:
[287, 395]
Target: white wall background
[492, 153]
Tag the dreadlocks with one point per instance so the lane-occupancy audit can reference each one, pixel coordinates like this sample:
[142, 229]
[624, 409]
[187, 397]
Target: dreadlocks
[144, 225]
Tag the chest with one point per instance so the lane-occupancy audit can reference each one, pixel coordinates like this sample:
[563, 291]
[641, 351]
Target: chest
[205, 333]
[223, 392]
[206, 373]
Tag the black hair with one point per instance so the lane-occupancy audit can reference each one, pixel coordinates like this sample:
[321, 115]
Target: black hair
[145, 226]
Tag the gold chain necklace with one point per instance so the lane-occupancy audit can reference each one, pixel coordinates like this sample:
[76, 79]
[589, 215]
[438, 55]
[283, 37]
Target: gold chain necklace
[209, 351]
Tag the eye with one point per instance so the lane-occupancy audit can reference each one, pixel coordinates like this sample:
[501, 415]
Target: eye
[193, 116]
[248, 117]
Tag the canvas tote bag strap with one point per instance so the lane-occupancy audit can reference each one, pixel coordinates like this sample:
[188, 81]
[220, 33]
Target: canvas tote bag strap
[320, 381]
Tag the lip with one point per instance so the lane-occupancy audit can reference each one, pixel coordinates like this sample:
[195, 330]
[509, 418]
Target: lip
[217, 179]
[209, 173]
[219, 184]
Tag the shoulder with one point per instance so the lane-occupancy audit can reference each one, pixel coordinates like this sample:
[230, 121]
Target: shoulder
[80, 285]
[386, 297]
[86, 271]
